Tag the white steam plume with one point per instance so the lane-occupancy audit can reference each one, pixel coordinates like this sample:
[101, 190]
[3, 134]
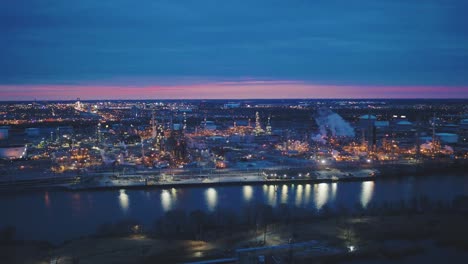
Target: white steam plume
[332, 123]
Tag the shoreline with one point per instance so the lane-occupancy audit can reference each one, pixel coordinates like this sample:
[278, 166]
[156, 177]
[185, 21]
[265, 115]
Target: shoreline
[112, 182]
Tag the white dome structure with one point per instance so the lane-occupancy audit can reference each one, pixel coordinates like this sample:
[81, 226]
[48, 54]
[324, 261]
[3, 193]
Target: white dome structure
[372, 117]
[404, 123]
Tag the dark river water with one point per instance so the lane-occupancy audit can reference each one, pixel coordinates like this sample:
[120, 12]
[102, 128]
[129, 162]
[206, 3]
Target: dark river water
[57, 216]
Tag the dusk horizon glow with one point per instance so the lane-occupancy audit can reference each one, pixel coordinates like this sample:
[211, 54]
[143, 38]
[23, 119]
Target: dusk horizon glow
[251, 89]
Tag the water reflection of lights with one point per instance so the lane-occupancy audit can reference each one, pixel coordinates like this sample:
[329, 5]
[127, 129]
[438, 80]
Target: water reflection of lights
[211, 198]
[307, 194]
[76, 197]
[271, 195]
[299, 193]
[366, 193]
[76, 203]
[248, 193]
[47, 199]
[166, 200]
[320, 195]
[123, 201]
[284, 194]
[334, 186]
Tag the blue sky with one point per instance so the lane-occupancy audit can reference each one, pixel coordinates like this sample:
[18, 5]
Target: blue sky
[155, 43]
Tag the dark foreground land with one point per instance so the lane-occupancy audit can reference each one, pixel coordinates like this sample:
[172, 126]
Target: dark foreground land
[423, 233]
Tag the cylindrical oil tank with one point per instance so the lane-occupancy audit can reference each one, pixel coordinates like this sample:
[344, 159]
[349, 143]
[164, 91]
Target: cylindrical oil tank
[447, 137]
[13, 152]
[4, 133]
[32, 132]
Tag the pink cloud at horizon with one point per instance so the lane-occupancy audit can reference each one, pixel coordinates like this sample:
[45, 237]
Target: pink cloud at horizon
[225, 90]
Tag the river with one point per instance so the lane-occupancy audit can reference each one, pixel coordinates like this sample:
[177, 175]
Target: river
[57, 216]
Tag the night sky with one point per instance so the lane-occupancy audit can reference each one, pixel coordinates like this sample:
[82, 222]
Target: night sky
[151, 49]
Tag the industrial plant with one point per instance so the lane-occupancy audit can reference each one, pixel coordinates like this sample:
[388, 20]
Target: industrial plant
[101, 144]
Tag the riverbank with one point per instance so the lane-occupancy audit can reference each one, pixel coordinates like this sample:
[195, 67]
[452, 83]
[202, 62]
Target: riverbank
[179, 178]
[129, 182]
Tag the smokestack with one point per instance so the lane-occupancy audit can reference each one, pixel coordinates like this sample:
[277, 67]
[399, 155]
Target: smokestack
[374, 137]
[363, 137]
[369, 131]
[418, 135]
[153, 126]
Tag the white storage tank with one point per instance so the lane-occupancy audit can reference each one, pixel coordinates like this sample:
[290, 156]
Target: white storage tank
[4, 132]
[447, 137]
[464, 123]
[404, 123]
[32, 132]
[209, 125]
[13, 152]
[367, 121]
